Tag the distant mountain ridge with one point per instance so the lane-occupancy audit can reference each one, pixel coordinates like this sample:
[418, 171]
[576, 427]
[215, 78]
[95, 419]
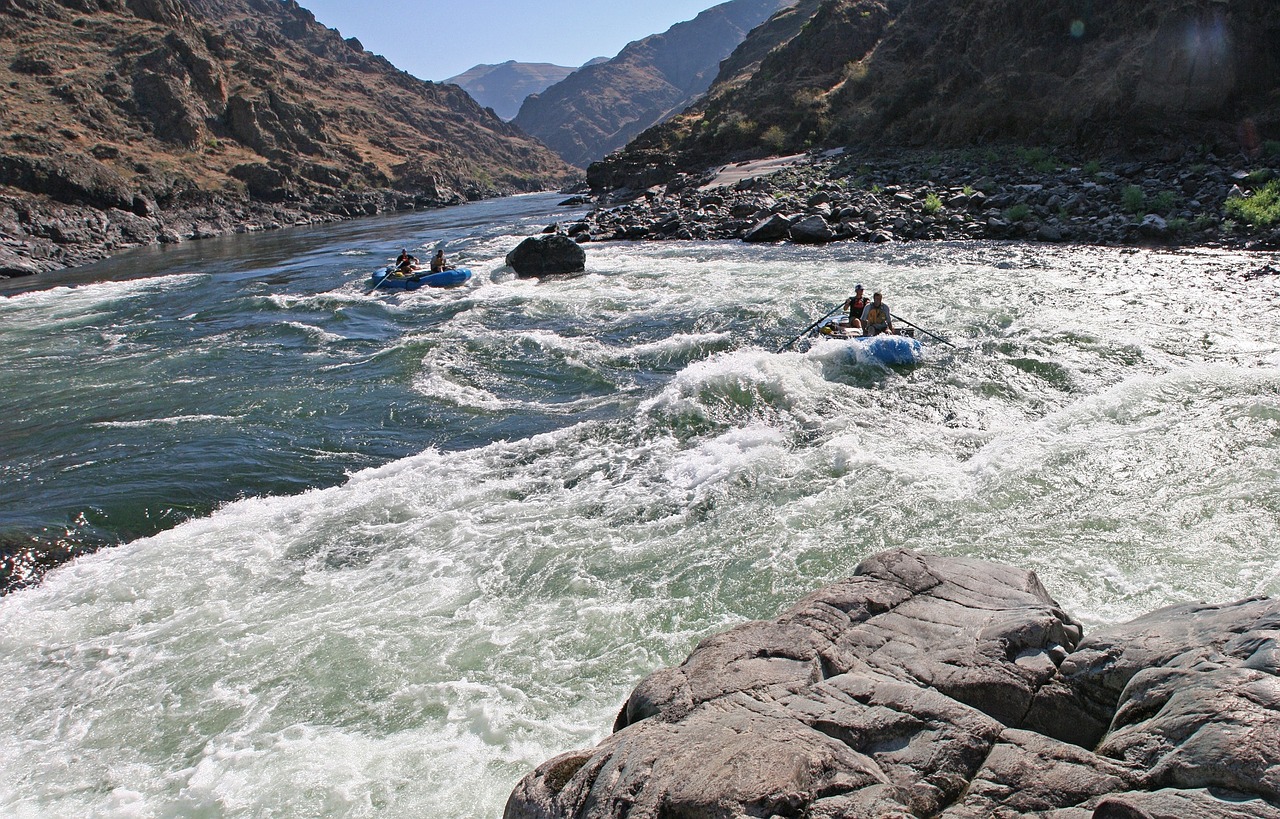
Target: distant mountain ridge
[127, 122]
[600, 108]
[505, 86]
[1136, 76]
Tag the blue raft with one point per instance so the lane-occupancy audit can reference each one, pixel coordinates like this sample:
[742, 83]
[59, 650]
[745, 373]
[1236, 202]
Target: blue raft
[384, 280]
[894, 350]
[882, 349]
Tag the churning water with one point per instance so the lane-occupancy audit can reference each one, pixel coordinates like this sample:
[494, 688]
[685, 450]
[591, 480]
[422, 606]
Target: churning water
[387, 552]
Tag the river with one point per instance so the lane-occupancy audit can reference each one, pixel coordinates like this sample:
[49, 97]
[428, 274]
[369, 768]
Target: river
[383, 553]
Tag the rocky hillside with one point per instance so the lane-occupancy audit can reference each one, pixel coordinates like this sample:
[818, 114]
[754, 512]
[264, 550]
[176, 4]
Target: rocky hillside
[126, 122]
[601, 108]
[1137, 77]
[504, 87]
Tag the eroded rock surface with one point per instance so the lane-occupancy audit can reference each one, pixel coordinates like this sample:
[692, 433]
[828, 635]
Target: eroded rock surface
[929, 686]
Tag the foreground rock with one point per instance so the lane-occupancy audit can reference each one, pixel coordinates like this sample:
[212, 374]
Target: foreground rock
[554, 254]
[928, 686]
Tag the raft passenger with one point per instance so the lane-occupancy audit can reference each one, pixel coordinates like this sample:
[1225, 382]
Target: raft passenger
[876, 318]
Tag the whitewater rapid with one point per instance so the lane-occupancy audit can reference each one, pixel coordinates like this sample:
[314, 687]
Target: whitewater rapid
[641, 469]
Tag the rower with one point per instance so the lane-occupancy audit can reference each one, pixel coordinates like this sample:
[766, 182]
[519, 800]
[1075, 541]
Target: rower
[405, 263]
[855, 304]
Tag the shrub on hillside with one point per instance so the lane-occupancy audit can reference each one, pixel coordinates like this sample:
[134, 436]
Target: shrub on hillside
[1133, 199]
[1261, 210]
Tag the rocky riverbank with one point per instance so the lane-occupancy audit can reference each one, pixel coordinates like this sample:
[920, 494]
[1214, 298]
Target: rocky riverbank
[927, 686]
[38, 234]
[1032, 195]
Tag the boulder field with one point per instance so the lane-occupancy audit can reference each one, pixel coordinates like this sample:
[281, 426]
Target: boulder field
[1192, 200]
[927, 686]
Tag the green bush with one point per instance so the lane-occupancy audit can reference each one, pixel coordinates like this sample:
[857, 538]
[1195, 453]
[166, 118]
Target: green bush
[1271, 148]
[1204, 222]
[1133, 199]
[1018, 212]
[1259, 177]
[774, 138]
[1164, 201]
[1260, 210]
[1038, 159]
[1092, 168]
[932, 204]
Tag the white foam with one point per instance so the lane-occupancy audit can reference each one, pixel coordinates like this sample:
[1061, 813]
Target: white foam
[414, 641]
[165, 422]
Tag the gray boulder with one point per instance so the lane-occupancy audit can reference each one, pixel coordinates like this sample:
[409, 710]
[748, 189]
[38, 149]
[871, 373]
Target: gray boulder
[1154, 226]
[811, 230]
[932, 686]
[553, 254]
[12, 265]
[770, 229]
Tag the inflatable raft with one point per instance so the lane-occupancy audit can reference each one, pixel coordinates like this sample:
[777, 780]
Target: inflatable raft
[882, 349]
[388, 280]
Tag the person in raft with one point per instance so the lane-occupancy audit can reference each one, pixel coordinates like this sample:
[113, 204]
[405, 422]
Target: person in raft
[438, 264]
[855, 304]
[405, 263]
[876, 318]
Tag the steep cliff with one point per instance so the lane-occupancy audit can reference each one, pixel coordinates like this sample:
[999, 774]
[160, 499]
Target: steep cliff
[122, 116]
[600, 108]
[1134, 74]
[1137, 76]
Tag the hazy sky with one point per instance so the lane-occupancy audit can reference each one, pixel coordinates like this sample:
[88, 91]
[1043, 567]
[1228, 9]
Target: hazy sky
[437, 39]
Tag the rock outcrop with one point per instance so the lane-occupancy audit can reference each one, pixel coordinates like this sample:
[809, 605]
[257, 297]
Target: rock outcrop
[126, 122]
[601, 107]
[929, 686]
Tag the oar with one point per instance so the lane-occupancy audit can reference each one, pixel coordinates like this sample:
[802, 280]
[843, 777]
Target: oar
[810, 327]
[926, 332]
[385, 275]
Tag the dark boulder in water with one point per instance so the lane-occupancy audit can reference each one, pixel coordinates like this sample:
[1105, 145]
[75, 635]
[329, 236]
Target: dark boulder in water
[935, 686]
[554, 254]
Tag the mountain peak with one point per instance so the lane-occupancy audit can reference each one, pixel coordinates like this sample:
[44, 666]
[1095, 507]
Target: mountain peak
[601, 107]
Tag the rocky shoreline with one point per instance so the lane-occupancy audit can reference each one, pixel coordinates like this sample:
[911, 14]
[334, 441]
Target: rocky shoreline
[1020, 194]
[39, 235]
[928, 686]
[1023, 195]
